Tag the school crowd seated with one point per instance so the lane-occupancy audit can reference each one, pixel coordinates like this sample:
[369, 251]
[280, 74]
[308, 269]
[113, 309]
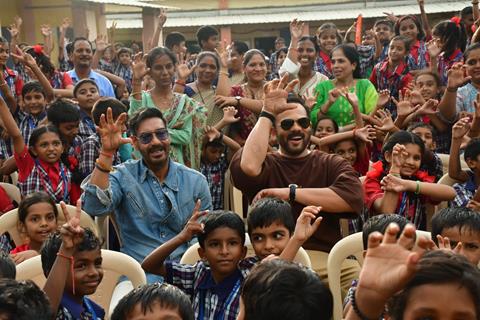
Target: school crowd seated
[223, 183]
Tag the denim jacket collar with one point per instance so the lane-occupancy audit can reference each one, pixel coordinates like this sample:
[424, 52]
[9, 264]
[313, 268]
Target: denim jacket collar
[171, 181]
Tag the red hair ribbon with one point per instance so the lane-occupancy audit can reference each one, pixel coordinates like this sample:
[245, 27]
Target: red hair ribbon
[457, 20]
[38, 49]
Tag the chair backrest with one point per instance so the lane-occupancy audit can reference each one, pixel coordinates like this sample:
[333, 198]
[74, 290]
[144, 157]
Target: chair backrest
[447, 180]
[191, 255]
[348, 246]
[446, 159]
[9, 223]
[115, 264]
[12, 191]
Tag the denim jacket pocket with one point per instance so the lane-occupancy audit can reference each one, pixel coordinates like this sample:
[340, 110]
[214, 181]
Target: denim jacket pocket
[139, 210]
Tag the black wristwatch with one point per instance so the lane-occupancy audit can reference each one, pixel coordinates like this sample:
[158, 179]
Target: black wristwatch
[293, 192]
[268, 115]
[238, 98]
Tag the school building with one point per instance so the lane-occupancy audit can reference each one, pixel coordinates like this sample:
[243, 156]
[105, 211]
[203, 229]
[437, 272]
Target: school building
[256, 22]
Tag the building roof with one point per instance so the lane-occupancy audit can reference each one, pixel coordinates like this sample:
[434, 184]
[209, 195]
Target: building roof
[285, 14]
[129, 3]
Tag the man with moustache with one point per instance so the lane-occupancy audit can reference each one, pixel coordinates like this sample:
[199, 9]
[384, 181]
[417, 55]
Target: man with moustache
[297, 174]
[82, 54]
[151, 199]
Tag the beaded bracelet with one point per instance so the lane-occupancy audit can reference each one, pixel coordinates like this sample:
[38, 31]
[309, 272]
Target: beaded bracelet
[357, 311]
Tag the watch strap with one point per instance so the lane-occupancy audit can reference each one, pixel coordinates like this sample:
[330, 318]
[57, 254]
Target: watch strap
[268, 115]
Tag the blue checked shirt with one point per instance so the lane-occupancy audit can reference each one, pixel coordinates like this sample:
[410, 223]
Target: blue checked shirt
[29, 123]
[210, 301]
[89, 152]
[464, 191]
[215, 174]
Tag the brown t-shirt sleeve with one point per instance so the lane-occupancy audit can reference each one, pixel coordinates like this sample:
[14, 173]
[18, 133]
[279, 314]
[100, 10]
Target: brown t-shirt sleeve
[250, 186]
[346, 183]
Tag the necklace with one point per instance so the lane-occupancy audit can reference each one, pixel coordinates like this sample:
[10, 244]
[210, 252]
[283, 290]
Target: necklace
[257, 94]
[200, 92]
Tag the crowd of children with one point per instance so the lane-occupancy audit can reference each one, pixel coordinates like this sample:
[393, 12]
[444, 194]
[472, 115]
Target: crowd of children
[395, 106]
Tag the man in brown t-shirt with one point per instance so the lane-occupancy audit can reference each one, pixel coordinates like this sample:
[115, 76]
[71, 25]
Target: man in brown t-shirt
[321, 179]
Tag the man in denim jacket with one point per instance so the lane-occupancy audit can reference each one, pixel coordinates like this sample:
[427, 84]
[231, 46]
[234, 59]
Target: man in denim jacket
[151, 199]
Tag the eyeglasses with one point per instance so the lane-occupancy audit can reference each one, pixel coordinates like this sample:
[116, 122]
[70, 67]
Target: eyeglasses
[147, 137]
[287, 124]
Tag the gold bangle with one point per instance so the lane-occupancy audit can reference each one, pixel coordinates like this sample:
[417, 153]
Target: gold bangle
[224, 73]
[134, 93]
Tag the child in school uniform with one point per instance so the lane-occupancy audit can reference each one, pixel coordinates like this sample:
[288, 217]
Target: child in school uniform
[40, 167]
[410, 27]
[72, 263]
[446, 49]
[393, 74]
[214, 282]
[86, 93]
[397, 185]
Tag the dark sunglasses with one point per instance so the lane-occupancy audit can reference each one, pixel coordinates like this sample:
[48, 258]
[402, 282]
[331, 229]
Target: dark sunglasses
[287, 124]
[147, 137]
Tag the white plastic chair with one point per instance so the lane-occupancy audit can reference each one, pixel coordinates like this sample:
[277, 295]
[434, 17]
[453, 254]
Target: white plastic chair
[114, 264]
[12, 191]
[348, 246]
[9, 223]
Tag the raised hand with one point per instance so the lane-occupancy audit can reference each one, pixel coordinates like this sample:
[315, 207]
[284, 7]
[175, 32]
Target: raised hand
[276, 93]
[391, 16]
[428, 108]
[433, 49]
[101, 43]
[310, 99]
[183, 71]
[222, 52]
[383, 98]
[65, 25]
[461, 128]
[14, 31]
[389, 263]
[444, 244]
[333, 95]
[46, 30]
[162, 17]
[351, 97]
[139, 66]
[304, 228]
[404, 106]
[72, 232]
[385, 120]
[399, 157]
[193, 225]
[456, 76]
[23, 57]
[296, 28]
[366, 134]
[110, 132]
[18, 21]
[229, 115]
[211, 133]
[416, 97]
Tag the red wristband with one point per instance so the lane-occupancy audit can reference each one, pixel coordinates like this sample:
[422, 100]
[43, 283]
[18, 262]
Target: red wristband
[72, 269]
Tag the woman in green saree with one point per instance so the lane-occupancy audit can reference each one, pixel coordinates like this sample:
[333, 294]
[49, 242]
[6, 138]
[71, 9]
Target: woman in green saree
[330, 101]
[185, 118]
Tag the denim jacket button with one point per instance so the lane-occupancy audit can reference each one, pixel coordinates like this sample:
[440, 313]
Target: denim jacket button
[162, 234]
